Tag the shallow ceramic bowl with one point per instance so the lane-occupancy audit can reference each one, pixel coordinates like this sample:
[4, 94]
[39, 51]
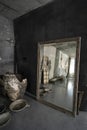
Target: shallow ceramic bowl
[18, 105]
[2, 108]
[4, 118]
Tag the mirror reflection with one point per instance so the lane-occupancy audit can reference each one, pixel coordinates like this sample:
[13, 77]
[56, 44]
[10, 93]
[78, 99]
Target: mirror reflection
[57, 73]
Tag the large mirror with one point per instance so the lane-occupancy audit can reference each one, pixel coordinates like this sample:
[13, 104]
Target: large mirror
[58, 72]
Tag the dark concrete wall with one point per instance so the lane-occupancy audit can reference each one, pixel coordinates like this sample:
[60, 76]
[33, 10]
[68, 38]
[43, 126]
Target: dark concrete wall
[6, 46]
[59, 19]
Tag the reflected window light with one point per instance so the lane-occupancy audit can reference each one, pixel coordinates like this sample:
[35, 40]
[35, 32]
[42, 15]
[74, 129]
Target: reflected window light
[72, 66]
[70, 88]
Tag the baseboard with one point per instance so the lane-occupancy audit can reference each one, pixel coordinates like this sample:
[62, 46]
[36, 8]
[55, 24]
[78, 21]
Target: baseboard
[30, 95]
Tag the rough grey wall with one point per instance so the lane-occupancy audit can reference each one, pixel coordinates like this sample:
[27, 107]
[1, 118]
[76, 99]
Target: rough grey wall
[6, 46]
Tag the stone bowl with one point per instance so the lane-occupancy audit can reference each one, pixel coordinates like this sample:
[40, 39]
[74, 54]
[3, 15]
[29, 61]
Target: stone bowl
[18, 105]
[2, 108]
[4, 118]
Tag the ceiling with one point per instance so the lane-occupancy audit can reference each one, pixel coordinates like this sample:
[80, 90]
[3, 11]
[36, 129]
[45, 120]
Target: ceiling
[71, 52]
[12, 9]
[68, 48]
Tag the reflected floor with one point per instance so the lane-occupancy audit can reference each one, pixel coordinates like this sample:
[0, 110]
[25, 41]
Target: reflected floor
[60, 93]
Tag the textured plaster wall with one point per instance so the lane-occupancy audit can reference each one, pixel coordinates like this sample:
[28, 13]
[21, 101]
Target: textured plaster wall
[6, 46]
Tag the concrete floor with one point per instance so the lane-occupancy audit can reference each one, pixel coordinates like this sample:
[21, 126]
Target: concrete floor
[61, 93]
[41, 117]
